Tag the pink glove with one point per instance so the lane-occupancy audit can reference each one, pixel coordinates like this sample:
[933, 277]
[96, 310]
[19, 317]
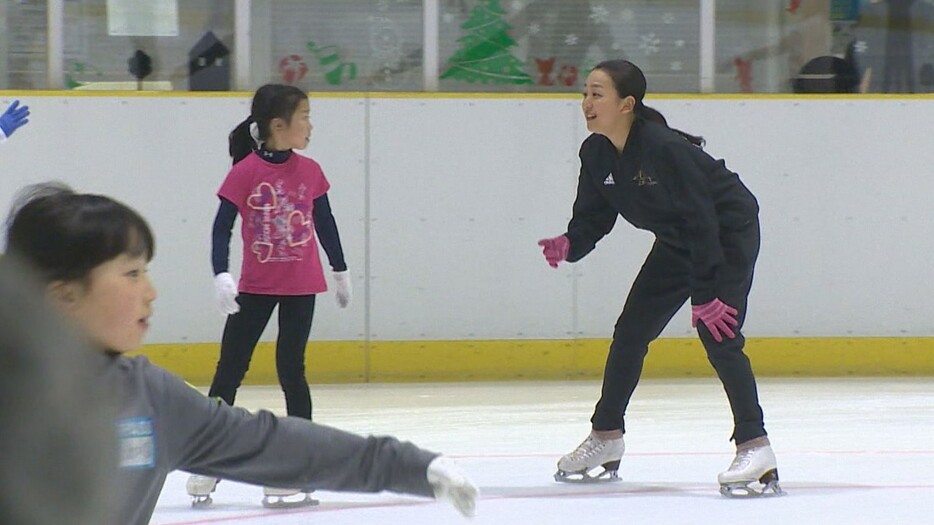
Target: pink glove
[717, 316]
[555, 250]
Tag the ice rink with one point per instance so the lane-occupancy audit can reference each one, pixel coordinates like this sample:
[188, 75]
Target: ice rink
[850, 451]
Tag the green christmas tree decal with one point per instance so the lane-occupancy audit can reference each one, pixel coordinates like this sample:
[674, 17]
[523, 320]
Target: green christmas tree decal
[484, 55]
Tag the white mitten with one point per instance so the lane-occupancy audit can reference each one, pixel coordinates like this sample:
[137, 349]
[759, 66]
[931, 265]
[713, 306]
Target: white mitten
[225, 292]
[451, 483]
[344, 289]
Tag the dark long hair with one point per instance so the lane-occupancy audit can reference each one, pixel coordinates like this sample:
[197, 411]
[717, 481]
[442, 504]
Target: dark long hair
[630, 81]
[270, 101]
[63, 235]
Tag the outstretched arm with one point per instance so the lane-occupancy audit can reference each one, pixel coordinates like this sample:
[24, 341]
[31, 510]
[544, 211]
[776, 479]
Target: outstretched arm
[208, 437]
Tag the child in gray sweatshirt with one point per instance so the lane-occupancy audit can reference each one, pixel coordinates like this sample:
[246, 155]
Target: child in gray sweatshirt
[90, 254]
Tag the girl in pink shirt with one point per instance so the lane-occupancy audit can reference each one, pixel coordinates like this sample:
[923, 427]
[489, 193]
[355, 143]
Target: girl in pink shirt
[281, 198]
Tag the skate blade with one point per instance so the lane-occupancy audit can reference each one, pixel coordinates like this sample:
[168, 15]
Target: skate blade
[280, 502]
[201, 502]
[607, 476]
[766, 487]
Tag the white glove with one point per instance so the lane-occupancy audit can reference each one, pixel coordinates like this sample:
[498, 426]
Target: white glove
[225, 292]
[344, 289]
[451, 483]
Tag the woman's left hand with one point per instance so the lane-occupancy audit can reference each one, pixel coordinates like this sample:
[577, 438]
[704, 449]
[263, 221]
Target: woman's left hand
[717, 316]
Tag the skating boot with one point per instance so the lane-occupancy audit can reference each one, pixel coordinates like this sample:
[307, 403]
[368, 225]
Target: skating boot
[274, 498]
[754, 472]
[592, 453]
[200, 489]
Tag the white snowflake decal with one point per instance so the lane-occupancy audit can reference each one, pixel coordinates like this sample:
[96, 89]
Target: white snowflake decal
[571, 39]
[516, 5]
[534, 28]
[649, 43]
[599, 13]
[668, 18]
[626, 15]
[861, 46]
[679, 43]
[677, 66]
[616, 46]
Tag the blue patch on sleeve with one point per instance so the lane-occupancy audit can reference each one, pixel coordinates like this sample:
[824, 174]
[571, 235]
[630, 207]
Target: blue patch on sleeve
[137, 443]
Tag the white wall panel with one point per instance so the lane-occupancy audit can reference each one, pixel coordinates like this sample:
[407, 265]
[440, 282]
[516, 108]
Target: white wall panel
[448, 204]
[462, 191]
[338, 143]
[163, 156]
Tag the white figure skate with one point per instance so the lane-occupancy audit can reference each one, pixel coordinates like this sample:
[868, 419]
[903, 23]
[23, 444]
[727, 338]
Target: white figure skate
[200, 489]
[754, 472]
[450, 483]
[592, 453]
[275, 498]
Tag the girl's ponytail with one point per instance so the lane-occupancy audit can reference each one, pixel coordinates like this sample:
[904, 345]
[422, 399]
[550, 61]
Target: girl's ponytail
[240, 141]
[271, 101]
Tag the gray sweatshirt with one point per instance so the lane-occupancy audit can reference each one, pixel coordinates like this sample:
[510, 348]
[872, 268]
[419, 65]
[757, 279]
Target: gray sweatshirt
[164, 425]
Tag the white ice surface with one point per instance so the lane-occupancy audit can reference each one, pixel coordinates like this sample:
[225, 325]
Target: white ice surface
[850, 451]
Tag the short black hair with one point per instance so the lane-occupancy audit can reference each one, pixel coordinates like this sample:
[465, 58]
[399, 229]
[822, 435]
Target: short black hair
[63, 235]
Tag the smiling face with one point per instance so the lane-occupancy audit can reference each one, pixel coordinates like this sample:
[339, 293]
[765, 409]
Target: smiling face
[113, 304]
[294, 134]
[604, 111]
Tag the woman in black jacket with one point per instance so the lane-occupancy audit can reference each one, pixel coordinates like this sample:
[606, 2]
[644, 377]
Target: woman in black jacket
[707, 239]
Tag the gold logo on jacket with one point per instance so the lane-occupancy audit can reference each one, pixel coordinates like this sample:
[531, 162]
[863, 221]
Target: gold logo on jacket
[644, 180]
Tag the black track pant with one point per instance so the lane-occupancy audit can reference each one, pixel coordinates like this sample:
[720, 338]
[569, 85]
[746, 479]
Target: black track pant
[242, 332]
[659, 291]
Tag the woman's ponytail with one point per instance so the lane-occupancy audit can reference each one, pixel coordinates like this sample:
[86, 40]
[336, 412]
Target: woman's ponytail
[630, 81]
[653, 115]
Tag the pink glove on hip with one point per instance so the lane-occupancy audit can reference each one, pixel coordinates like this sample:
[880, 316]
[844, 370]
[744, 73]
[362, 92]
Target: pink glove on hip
[717, 316]
[555, 249]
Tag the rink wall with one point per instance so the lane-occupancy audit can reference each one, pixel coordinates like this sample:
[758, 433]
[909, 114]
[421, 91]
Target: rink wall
[440, 200]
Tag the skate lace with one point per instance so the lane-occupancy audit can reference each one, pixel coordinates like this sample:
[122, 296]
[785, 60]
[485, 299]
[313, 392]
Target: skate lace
[742, 459]
[588, 448]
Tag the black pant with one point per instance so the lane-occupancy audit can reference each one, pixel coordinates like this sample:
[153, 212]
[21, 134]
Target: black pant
[242, 332]
[659, 291]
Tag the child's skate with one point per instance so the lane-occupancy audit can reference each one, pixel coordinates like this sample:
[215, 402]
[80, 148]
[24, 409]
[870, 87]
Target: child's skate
[592, 453]
[274, 498]
[200, 489]
[754, 472]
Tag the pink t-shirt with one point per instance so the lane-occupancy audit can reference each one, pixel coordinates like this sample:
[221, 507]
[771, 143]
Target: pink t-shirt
[280, 251]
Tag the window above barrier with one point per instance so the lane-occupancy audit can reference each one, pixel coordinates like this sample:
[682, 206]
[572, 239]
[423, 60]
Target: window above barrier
[508, 46]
